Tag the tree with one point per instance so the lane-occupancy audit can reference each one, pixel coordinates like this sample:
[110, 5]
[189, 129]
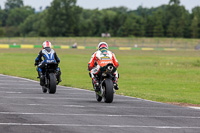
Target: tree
[158, 28]
[62, 18]
[2, 32]
[18, 15]
[34, 25]
[174, 2]
[11, 4]
[117, 22]
[106, 21]
[132, 26]
[195, 22]
[149, 26]
[120, 9]
[90, 21]
[3, 16]
[194, 27]
[176, 20]
[171, 29]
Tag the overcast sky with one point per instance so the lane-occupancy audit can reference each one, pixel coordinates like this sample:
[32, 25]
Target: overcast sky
[92, 4]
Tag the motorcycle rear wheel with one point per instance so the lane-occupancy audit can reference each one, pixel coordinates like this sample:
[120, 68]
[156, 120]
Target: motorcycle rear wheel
[109, 93]
[52, 83]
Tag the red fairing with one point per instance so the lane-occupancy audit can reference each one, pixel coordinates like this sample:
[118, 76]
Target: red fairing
[91, 63]
[116, 63]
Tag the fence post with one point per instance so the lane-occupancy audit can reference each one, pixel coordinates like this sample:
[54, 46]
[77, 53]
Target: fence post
[171, 44]
[38, 41]
[158, 44]
[23, 40]
[69, 42]
[85, 42]
[185, 45]
[142, 43]
[8, 40]
[54, 41]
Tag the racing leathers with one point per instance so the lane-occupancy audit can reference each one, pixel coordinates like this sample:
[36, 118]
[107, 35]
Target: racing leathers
[47, 54]
[97, 59]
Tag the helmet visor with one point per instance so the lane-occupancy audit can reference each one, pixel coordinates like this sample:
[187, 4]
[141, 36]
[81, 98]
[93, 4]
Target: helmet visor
[103, 46]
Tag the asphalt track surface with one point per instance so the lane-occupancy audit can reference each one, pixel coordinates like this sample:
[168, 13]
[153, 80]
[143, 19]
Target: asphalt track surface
[25, 109]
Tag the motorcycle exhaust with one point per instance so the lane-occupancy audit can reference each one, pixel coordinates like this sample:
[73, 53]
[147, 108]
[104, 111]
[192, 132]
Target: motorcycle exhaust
[110, 68]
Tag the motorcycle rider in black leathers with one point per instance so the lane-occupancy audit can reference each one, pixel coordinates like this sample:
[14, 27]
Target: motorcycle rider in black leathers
[48, 54]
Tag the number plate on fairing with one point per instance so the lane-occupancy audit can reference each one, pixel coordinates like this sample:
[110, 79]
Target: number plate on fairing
[50, 61]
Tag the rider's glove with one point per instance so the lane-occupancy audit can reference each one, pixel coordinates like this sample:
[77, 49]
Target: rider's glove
[36, 63]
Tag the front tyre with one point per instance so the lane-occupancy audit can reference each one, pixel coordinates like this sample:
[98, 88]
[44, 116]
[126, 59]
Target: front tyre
[52, 83]
[109, 93]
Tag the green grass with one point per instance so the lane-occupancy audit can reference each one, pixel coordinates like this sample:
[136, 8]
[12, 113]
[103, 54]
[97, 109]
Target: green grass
[154, 75]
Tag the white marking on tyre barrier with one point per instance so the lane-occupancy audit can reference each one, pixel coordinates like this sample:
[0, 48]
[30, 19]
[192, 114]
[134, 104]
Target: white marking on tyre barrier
[82, 125]
[98, 115]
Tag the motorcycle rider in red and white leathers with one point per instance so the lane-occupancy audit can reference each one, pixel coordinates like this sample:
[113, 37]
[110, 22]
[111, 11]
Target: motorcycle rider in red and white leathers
[94, 67]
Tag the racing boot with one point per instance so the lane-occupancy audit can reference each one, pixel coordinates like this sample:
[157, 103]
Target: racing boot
[115, 83]
[41, 78]
[58, 73]
[96, 84]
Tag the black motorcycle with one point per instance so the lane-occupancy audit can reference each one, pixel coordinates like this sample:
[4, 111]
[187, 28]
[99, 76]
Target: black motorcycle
[105, 78]
[50, 78]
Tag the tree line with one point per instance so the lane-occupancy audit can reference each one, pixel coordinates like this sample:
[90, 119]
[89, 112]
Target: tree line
[64, 18]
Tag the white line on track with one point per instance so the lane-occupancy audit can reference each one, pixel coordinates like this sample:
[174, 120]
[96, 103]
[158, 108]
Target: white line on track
[81, 106]
[13, 81]
[25, 85]
[11, 92]
[51, 105]
[97, 115]
[194, 107]
[60, 98]
[36, 88]
[82, 125]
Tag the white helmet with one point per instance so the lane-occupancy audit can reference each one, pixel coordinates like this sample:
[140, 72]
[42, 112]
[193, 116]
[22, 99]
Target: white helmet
[102, 45]
[46, 44]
